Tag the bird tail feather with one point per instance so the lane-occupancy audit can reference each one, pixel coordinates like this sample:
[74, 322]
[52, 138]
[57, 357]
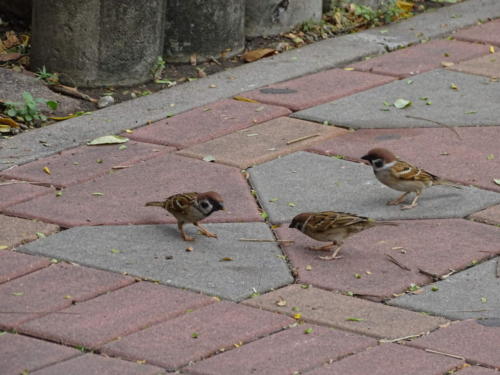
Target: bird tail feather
[448, 183]
[156, 204]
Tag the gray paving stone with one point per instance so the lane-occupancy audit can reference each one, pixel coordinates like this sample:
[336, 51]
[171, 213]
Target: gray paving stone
[433, 24]
[313, 182]
[474, 103]
[472, 293]
[157, 252]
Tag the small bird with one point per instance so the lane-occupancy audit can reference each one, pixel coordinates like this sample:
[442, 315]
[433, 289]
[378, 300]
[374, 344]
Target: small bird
[333, 227]
[191, 208]
[402, 176]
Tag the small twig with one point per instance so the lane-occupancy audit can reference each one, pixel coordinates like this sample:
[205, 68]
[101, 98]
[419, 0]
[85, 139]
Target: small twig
[302, 138]
[400, 338]
[448, 274]
[38, 312]
[446, 354]
[397, 263]
[437, 123]
[214, 60]
[483, 310]
[498, 268]
[26, 182]
[71, 91]
[120, 166]
[263, 240]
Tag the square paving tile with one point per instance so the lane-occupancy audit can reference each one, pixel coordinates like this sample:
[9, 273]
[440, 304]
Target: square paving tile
[347, 313]
[477, 370]
[96, 364]
[489, 216]
[474, 102]
[20, 353]
[461, 242]
[15, 231]
[421, 58]
[81, 164]
[51, 289]
[306, 182]
[293, 351]
[225, 266]
[467, 159]
[14, 191]
[469, 339]
[318, 88]
[119, 198]
[263, 142]
[207, 122]
[472, 293]
[488, 33]
[488, 66]
[13, 265]
[95, 322]
[197, 335]
[389, 359]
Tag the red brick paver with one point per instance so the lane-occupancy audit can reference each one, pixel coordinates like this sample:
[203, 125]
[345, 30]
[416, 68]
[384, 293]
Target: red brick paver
[20, 353]
[100, 320]
[197, 334]
[292, 351]
[120, 198]
[205, 123]
[421, 58]
[488, 33]
[15, 191]
[490, 216]
[15, 231]
[391, 359]
[467, 159]
[84, 163]
[14, 265]
[447, 244]
[347, 313]
[263, 142]
[52, 288]
[488, 66]
[96, 364]
[315, 89]
[475, 342]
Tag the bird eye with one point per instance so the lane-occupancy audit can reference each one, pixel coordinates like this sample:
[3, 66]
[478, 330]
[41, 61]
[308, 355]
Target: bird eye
[204, 204]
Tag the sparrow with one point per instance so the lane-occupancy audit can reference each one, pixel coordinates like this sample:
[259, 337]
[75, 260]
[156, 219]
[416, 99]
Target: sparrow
[191, 208]
[402, 176]
[332, 226]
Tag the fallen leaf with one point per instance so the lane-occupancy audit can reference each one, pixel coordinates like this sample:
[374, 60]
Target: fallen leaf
[212, 86]
[257, 54]
[97, 194]
[12, 56]
[116, 251]
[4, 128]
[40, 235]
[189, 249]
[8, 121]
[496, 181]
[453, 86]
[354, 319]
[208, 158]
[490, 157]
[492, 49]
[108, 140]
[297, 316]
[309, 267]
[308, 331]
[18, 293]
[225, 259]
[348, 69]
[68, 297]
[281, 302]
[447, 64]
[402, 103]
[243, 99]
[3, 247]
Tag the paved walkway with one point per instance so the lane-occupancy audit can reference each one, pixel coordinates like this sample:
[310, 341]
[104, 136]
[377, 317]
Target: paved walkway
[93, 282]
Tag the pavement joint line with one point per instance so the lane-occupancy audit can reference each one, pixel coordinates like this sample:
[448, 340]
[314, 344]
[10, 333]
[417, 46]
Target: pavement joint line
[76, 131]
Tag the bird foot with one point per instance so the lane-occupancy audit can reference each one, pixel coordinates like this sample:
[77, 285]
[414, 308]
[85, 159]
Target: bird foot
[208, 234]
[408, 206]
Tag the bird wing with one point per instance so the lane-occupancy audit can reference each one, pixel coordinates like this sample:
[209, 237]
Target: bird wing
[405, 171]
[328, 220]
[180, 203]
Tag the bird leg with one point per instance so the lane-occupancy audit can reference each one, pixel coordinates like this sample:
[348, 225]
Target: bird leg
[326, 247]
[413, 203]
[333, 256]
[204, 231]
[397, 201]
[184, 236]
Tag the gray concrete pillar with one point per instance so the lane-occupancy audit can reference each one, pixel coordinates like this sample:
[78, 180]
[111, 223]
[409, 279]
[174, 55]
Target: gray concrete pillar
[203, 28]
[271, 17]
[19, 8]
[95, 43]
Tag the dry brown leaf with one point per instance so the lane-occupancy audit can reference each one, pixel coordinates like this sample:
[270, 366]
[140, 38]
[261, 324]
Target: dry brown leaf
[8, 121]
[12, 56]
[257, 54]
[192, 60]
[11, 40]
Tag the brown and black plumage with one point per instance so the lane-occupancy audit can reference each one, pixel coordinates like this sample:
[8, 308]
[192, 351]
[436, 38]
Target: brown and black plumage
[331, 226]
[190, 208]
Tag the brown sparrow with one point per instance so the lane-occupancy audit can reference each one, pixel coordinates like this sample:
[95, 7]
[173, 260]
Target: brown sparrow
[402, 176]
[332, 226]
[191, 208]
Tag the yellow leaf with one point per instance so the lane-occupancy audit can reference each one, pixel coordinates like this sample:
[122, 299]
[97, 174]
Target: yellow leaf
[492, 49]
[405, 5]
[297, 316]
[243, 99]
[257, 54]
[8, 121]
[3, 247]
[46, 170]
[281, 302]
[348, 69]
[447, 64]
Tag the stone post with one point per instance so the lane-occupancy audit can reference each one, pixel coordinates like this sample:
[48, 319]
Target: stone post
[95, 43]
[271, 17]
[203, 28]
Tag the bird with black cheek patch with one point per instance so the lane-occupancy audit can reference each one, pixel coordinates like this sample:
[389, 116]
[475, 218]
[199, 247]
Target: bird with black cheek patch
[191, 208]
[402, 176]
[331, 226]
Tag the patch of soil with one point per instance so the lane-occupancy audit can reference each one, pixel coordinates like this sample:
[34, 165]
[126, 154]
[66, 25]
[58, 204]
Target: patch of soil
[341, 21]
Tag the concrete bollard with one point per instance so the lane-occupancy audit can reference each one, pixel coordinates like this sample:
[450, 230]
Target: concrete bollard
[271, 17]
[97, 43]
[203, 28]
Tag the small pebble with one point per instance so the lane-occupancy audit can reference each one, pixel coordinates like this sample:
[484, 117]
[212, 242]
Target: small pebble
[105, 101]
